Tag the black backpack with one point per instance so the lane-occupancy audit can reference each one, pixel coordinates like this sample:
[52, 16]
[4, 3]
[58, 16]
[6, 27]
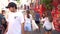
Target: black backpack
[3, 18]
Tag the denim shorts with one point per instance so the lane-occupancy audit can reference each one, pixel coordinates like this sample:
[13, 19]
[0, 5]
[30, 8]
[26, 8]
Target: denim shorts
[47, 29]
[28, 27]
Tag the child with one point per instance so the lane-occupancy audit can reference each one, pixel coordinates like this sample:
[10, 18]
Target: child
[37, 19]
[47, 24]
[2, 20]
[28, 22]
[58, 24]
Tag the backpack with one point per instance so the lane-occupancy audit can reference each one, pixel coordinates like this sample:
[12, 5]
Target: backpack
[1, 18]
[1, 21]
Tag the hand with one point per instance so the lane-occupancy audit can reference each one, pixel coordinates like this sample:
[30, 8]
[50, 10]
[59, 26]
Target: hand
[5, 32]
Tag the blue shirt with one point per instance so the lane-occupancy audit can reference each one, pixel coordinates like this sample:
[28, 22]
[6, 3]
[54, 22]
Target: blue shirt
[37, 17]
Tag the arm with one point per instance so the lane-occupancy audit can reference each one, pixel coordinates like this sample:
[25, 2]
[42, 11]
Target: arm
[42, 19]
[31, 20]
[6, 24]
[22, 23]
[22, 27]
[6, 29]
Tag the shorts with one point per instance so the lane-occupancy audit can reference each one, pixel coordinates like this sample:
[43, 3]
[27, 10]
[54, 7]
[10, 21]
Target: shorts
[28, 27]
[0, 31]
[47, 29]
[37, 22]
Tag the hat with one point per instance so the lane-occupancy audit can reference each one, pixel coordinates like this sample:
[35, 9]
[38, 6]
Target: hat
[11, 4]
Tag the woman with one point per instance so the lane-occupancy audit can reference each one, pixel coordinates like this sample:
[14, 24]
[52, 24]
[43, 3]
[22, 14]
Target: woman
[28, 22]
[47, 23]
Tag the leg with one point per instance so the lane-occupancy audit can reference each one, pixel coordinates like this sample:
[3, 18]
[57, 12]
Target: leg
[28, 32]
[46, 32]
[29, 29]
[0, 31]
[25, 32]
[39, 26]
[50, 32]
[38, 23]
[25, 29]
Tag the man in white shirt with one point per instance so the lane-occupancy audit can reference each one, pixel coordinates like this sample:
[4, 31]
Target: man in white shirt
[15, 20]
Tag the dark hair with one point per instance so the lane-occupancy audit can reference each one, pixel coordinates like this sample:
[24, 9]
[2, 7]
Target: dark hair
[45, 14]
[3, 11]
[24, 6]
[28, 12]
[11, 4]
[50, 18]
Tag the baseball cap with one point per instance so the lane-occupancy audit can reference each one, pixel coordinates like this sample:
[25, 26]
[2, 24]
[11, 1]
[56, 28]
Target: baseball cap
[12, 4]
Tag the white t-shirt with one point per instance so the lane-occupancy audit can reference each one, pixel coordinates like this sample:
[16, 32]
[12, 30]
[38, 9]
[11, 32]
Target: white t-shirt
[47, 23]
[28, 20]
[14, 23]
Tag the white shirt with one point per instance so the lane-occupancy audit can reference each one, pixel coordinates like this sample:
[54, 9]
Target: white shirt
[28, 20]
[14, 23]
[47, 23]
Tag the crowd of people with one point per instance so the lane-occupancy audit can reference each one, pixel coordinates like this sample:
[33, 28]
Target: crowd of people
[19, 21]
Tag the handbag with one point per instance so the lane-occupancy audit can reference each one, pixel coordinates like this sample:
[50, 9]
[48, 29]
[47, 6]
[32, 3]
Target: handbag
[34, 25]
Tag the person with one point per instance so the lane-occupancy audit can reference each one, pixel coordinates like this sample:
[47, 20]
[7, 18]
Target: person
[4, 19]
[47, 24]
[15, 20]
[37, 19]
[3, 12]
[57, 25]
[27, 8]
[58, 19]
[57, 15]
[28, 22]
[1, 23]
